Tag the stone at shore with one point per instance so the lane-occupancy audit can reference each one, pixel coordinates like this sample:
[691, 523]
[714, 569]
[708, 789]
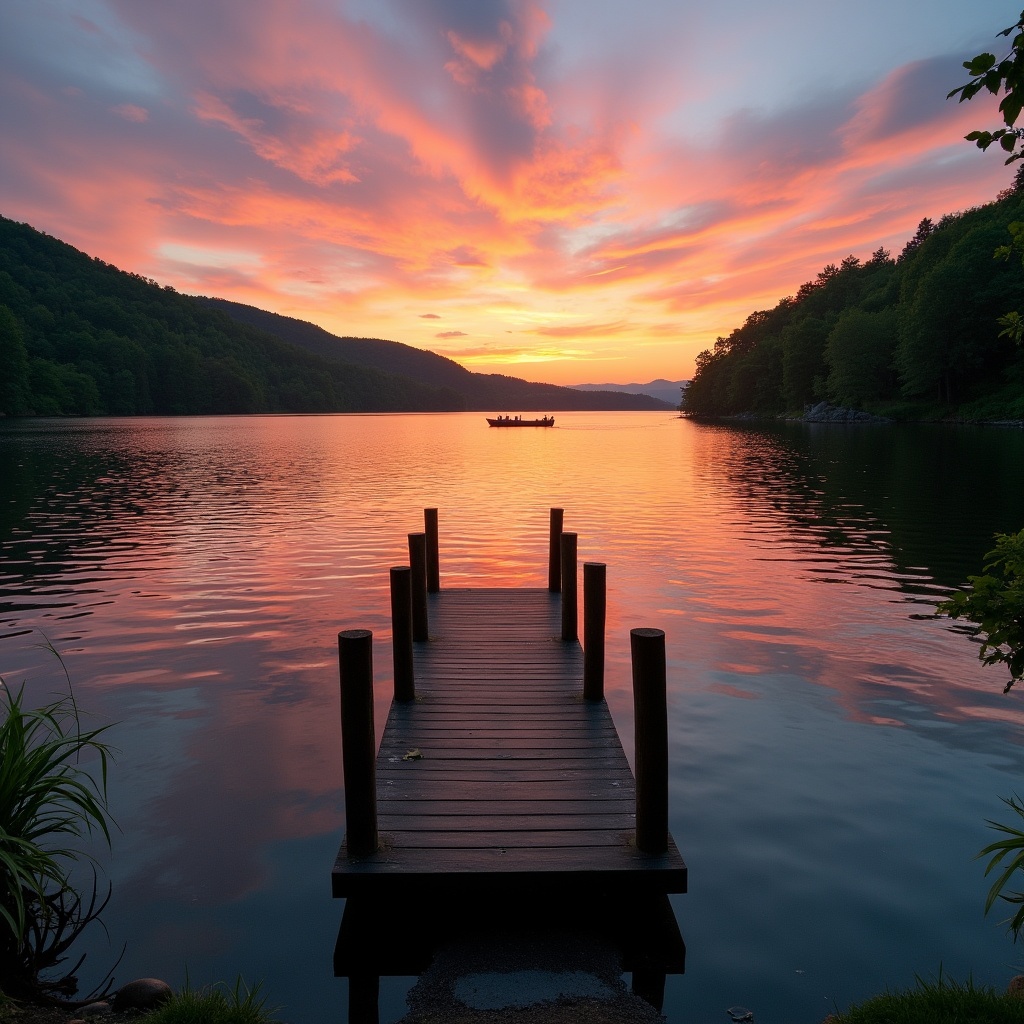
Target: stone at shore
[141, 994]
[825, 413]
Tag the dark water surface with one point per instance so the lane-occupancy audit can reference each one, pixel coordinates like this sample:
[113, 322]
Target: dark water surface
[835, 752]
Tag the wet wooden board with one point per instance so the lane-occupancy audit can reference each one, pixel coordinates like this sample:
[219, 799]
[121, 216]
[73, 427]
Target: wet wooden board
[499, 773]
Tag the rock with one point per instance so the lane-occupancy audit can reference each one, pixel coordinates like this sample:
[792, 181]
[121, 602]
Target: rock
[1016, 987]
[825, 413]
[141, 994]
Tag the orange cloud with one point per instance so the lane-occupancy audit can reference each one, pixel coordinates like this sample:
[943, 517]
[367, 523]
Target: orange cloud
[493, 162]
[582, 330]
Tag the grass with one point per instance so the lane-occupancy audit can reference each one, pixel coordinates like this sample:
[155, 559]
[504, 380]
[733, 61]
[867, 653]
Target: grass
[48, 800]
[214, 1004]
[942, 1001]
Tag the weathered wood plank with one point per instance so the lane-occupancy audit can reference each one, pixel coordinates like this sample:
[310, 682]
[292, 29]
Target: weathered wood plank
[617, 868]
[488, 830]
[516, 778]
[473, 806]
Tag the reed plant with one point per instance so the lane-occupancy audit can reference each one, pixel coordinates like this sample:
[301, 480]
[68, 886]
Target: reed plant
[48, 800]
[214, 1004]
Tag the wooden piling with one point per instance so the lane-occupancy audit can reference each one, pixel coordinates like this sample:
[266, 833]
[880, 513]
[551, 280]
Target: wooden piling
[364, 998]
[358, 744]
[594, 615]
[570, 617]
[418, 565]
[555, 551]
[433, 560]
[401, 632]
[647, 647]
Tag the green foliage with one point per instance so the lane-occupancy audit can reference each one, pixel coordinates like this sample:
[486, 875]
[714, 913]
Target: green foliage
[803, 362]
[1011, 847]
[14, 394]
[80, 338]
[215, 1004]
[1012, 327]
[995, 603]
[859, 355]
[47, 800]
[942, 1001]
[952, 299]
[995, 76]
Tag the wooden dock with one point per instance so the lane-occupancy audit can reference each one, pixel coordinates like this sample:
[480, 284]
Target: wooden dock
[500, 800]
[499, 771]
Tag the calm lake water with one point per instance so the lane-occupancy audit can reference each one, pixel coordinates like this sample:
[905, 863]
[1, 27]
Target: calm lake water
[835, 751]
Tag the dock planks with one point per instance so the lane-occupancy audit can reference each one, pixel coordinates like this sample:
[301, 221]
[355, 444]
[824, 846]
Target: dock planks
[518, 779]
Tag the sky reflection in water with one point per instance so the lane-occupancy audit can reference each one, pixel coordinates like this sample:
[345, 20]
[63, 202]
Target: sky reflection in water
[834, 758]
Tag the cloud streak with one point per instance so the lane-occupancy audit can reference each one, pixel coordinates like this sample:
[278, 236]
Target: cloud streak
[494, 161]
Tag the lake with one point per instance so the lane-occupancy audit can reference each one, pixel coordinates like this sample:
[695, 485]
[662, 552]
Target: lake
[835, 749]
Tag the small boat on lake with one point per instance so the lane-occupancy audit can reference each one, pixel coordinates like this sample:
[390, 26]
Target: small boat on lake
[516, 421]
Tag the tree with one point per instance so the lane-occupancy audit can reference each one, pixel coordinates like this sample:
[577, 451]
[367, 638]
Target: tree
[859, 354]
[924, 230]
[803, 362]
[1006, 76]
[13, 366]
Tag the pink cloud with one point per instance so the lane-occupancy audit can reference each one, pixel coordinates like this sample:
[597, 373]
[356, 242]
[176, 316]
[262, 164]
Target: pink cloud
[132, 112]
[444, 159]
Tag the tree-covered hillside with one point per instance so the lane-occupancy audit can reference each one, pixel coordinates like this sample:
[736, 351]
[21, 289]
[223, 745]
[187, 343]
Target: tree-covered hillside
[911, 336]
[79, 337]
[479, 391]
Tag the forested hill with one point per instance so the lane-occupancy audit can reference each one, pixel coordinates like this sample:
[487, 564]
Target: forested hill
[480, 391]
[80, 337]
[911, 337]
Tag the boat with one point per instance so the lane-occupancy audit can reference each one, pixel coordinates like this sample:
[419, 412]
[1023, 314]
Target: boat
[516, 421]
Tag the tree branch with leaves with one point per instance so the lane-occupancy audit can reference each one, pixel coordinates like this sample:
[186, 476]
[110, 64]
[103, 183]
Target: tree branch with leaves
[1004, 76]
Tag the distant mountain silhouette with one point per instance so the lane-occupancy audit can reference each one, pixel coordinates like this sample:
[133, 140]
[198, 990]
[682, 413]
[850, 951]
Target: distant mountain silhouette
[481, 391]
[666, 390]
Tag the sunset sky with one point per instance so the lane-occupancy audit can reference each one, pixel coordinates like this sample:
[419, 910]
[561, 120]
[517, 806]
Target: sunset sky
[564, 190]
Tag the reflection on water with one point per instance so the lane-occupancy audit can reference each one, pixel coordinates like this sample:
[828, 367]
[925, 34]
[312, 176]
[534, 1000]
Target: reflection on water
[835, 750]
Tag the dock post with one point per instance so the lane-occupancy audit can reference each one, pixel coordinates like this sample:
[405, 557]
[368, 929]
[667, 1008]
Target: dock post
[401, 632]
[647, 647]
[433, 561]
[358, 745]
[418, 565]
[364, 998]
[594, 614]
[555, 551]
[570, 618]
